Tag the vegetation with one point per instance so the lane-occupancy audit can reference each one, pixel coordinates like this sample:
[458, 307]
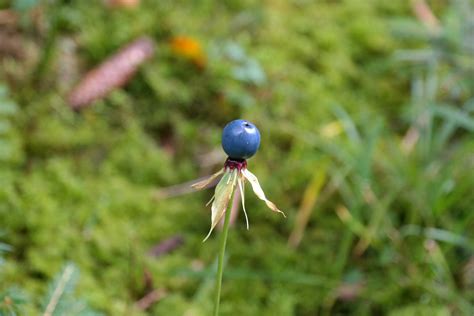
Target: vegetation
[365, 109]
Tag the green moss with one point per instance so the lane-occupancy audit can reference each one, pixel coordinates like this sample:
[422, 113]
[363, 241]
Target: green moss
[80, 186]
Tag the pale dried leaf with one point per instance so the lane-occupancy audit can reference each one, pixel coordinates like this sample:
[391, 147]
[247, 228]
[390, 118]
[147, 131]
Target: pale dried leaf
[257, 189]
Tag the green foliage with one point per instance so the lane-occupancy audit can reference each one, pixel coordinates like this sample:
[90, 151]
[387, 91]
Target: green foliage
[11, 301]
[358, 90]
[10, 143]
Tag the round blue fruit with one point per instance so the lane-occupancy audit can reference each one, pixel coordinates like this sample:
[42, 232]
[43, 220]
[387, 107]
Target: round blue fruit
[240, 139]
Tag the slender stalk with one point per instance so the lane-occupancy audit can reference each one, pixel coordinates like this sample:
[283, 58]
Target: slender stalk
[220, 262]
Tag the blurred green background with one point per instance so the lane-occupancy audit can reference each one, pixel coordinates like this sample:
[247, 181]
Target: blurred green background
[366, 110]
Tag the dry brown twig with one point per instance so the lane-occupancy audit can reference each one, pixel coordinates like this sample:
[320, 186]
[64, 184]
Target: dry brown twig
[112, 73]
[128, 4]
[166, 246]
[8, 17]
[426, 16]
[151, 298]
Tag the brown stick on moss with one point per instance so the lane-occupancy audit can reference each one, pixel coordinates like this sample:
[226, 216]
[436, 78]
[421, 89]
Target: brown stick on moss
[112, 73]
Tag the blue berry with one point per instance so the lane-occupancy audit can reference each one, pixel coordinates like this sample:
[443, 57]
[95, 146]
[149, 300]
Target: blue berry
[240, 139]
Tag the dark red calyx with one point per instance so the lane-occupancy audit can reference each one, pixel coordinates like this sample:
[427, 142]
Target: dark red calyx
[238, 164]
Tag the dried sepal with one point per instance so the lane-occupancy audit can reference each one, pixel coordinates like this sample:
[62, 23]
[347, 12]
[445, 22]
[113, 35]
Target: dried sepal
[222, 196]
[240, 182]
[257, 189]
[206, 182]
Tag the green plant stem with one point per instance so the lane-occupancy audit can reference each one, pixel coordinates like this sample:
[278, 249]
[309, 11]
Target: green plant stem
[220, 262]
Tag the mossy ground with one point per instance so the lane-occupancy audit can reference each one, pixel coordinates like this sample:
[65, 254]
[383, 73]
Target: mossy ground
[390, 231]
